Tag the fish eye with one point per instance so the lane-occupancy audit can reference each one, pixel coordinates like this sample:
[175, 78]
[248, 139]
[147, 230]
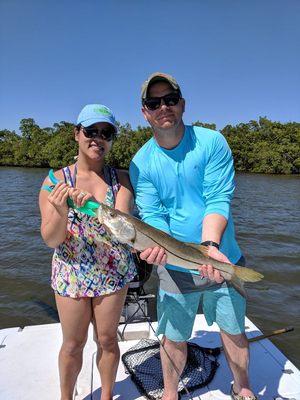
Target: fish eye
[112, 214]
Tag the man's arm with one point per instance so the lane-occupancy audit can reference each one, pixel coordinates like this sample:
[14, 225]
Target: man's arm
[213, 227]
[218, 188]
[218, 182]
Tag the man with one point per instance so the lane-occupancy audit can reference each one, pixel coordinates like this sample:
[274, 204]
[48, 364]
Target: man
[183, 181]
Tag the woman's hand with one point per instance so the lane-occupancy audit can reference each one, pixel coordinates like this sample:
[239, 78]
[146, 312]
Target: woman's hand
[79, 196]
[58, 198]
[154, 255]
[54, 213]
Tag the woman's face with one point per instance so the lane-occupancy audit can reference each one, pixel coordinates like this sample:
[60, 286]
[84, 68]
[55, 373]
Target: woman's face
[92, 141]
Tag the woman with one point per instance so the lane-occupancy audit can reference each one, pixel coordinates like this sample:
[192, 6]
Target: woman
[90, 272]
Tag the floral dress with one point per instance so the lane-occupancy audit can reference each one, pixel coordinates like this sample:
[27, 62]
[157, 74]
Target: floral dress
[89, 263]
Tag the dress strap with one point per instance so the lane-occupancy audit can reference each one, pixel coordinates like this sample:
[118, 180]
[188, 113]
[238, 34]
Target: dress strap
[74, 175]
[107, 176]
[111, 177]
[115, 184]
[68, 176]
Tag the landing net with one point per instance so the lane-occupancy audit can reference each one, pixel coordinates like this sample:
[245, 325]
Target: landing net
[142, 362]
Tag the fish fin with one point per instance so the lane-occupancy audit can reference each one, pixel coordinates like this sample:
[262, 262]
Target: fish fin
[238, 284]
[204, 250]
[200, 247]
[191, 244]
[247, 274]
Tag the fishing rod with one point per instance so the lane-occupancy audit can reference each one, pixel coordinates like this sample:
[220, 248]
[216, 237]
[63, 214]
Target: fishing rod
[267, 335]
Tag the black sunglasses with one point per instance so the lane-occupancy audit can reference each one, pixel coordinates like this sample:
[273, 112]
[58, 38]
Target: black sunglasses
[107, 134]
[153, 103]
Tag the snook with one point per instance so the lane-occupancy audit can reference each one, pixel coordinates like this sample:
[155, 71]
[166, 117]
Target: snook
[139, 235]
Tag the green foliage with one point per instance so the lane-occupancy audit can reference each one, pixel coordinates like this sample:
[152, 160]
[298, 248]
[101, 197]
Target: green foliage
[205, 125]
[127, 144]
[265, 146]
[8, 143]
[261, 146]
[61, 147]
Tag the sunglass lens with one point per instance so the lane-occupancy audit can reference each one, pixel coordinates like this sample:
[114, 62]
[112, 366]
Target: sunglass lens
[171, 99]
[152, 103]
[108, 134]
[90, 133]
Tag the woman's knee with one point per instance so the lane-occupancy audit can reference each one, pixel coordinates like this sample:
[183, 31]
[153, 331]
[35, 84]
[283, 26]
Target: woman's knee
[107, 341]
[73, 347]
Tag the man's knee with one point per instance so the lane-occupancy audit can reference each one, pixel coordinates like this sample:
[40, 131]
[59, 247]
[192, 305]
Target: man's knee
[240, 340]
[174, 345]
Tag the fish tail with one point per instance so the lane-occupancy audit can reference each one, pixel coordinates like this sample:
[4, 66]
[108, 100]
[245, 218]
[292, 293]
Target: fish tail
[247, 274]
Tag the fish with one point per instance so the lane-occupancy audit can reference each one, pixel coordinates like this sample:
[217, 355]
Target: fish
[129, 230]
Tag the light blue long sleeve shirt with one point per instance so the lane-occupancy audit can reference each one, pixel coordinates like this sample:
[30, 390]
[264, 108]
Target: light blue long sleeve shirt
[175, 189]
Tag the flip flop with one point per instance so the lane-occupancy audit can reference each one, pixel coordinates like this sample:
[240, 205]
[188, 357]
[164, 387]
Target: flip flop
[235, 396]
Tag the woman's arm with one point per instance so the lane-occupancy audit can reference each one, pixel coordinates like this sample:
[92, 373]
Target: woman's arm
[54, 212]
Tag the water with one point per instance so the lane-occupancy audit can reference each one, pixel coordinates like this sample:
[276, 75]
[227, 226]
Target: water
[267, 214]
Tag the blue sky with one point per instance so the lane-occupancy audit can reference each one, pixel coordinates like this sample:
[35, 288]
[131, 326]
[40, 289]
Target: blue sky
[235, 60]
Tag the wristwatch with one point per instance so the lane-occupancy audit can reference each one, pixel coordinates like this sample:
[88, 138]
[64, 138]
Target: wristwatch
[210, 243]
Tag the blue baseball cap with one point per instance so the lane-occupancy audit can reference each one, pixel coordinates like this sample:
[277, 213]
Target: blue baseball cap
[93, 113]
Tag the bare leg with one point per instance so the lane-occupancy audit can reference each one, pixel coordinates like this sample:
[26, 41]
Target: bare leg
[107, 310]
[75, 316]
[236, 349]
[177, 351]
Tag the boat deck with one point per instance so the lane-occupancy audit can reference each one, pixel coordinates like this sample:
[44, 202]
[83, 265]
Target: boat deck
[28, 364]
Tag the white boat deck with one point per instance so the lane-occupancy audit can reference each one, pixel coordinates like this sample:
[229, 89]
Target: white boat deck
[28, 365]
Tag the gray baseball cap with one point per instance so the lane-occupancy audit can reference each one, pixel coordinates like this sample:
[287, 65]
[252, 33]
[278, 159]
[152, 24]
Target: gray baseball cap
[158, 77]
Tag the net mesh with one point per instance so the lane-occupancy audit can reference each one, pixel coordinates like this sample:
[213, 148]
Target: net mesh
[142, 362]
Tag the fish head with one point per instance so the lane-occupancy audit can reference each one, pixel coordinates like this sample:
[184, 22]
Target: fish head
[117, 224]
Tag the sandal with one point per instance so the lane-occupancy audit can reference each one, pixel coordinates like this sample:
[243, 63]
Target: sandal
[235, 396]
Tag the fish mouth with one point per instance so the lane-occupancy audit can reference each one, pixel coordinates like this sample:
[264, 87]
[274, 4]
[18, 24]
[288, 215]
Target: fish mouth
[115, 225]
[100, 213]
[104, 218]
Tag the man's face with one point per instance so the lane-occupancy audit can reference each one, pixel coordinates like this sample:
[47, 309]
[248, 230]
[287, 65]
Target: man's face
[165, 117]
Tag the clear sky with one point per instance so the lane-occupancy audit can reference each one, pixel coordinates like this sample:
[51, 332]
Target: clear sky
[235, 60]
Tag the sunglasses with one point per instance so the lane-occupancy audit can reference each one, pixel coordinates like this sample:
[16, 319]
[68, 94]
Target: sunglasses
[154, 103]
[107, 134]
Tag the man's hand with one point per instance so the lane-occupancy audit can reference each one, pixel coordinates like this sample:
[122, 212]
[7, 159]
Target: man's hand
[208, 271]
[154, 255]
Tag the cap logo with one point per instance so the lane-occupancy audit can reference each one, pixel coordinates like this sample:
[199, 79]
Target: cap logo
[101, 110]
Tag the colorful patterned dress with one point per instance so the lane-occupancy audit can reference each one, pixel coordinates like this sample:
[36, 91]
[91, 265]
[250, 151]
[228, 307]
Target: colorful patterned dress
[89, 263]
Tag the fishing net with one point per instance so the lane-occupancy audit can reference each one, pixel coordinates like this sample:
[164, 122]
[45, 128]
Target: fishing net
[142, 362]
